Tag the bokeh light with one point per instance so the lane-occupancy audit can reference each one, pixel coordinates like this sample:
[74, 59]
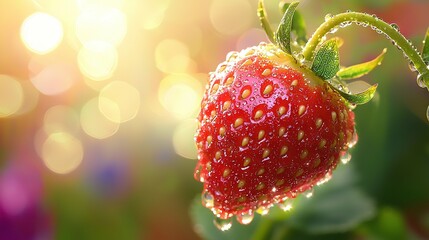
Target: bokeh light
[180, 94]
[172, 56]
[183, 139]
[30, 98]
[101, 24]
[11, 95]
[153, 13]
[121, 96]
[54, 79]
[97, 60]
[61, 118]
[41, 32]
[62, 153]
[94, 123]
[231, 17]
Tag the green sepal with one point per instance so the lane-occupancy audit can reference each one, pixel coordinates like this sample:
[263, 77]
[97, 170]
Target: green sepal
[282, 35]
[298, 24]
[359, 98]
[326, 62]
[361, 69]
[425, 50]
[262, 14]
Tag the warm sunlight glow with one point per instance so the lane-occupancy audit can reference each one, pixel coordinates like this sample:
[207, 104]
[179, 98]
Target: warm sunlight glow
[98, 60]
[41, 32]
[101, 24]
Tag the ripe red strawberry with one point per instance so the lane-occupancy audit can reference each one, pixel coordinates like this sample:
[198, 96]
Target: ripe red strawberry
[268, 130]
[273, 124]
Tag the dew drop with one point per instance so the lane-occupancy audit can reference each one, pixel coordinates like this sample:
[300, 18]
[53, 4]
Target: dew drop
[245, 218]
[354, 140]
[300, 57]
[412, 66]
[286, 205]
[308, 193]
[328, 16]
[420, 81]
[263, 210]
[222, 224]
[345, 158]
[325, 179]
[207, 199]
[395, 26]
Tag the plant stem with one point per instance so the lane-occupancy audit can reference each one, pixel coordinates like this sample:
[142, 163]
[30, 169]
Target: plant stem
[376, 24]
[264, 21]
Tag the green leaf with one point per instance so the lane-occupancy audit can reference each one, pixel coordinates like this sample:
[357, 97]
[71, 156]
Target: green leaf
[336, 206]
[262, 14]
[359, 98]
[203, 224]
[282, 35]
[425, 51]
[361, 69]
[326, 62]
[298, 24]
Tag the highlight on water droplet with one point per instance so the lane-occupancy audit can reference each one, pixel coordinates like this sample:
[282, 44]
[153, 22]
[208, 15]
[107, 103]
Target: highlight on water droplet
[286, 205]
[263, 210]
[245, 218]
[222, 224]
[41, 33]
[345, 158]
[354, 140]
[309, 193]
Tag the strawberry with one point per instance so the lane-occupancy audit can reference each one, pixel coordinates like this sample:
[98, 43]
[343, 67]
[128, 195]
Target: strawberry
[273, 123]
[268, 130]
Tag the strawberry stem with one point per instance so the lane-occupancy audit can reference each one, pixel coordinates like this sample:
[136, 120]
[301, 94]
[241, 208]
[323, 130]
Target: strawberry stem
[262, 14]
[332, 23]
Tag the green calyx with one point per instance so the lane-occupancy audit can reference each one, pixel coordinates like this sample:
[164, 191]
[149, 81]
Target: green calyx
[321, 55]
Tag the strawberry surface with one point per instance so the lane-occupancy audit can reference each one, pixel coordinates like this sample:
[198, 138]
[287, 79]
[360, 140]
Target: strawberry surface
[268, 130]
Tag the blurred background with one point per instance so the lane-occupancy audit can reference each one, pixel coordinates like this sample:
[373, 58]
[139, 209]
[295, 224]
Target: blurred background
[97, 106]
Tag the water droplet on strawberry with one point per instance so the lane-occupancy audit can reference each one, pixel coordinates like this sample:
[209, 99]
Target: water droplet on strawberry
[263, 210]
[354, 140]
[345, 158]
[308, 193]
[207, 200]
[286, 205]
[222, 224]
[245, 218]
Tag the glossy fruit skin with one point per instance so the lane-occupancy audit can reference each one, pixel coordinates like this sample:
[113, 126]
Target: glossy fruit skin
[268, 130]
